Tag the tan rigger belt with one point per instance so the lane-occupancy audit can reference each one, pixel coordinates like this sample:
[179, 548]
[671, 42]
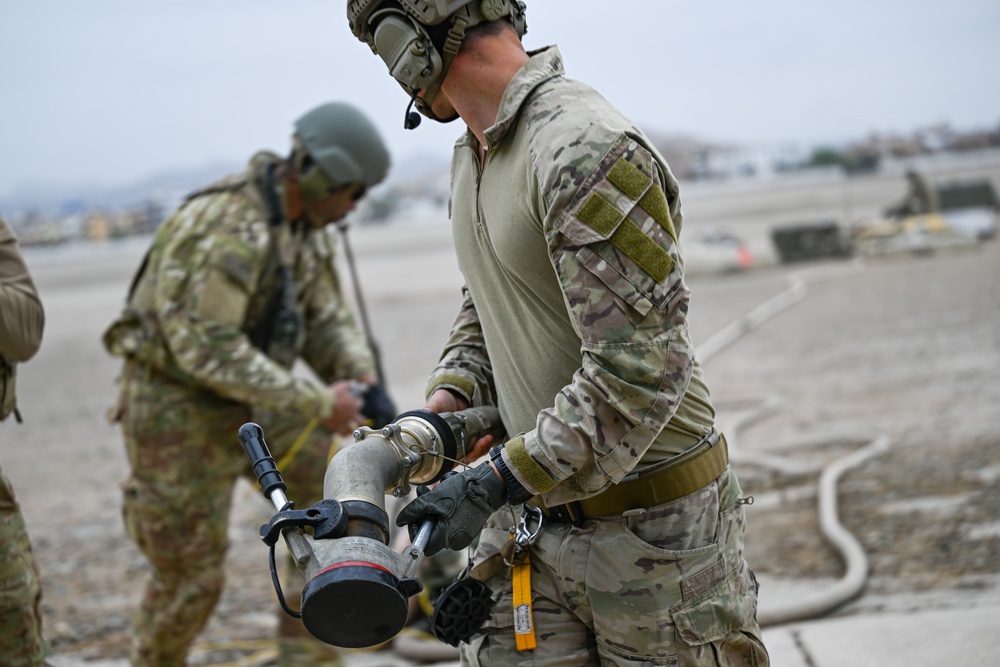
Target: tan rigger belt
[660, 483]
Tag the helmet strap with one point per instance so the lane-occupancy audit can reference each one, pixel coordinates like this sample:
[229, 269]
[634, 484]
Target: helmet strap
[291, 200]
[450, 49]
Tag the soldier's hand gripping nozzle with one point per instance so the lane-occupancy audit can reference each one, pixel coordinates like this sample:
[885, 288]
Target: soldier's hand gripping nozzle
[356, 586]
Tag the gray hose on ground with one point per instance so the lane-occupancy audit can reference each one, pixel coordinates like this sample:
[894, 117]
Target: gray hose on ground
[849, 549]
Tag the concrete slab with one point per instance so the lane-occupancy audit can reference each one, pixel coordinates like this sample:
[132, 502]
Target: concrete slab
[967, 637]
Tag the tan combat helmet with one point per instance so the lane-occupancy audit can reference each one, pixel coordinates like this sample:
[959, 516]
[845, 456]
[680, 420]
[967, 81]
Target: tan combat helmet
[345, 147]
[418, 39]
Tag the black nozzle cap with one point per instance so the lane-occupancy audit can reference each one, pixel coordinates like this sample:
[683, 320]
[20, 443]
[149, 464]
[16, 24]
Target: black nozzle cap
[354, 605]
[251, 436]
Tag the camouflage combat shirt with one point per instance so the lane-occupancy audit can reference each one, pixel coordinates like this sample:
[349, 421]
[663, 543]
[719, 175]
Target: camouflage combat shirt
[210, 281]
[574, 321]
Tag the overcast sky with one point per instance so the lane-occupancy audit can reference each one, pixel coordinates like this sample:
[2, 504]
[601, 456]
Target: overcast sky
[109, 91]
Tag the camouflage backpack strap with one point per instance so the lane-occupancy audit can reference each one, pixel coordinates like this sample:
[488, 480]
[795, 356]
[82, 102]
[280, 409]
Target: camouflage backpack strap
[277, 332]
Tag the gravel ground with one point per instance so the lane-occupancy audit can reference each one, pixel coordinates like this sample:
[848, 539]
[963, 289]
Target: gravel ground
[905, 347]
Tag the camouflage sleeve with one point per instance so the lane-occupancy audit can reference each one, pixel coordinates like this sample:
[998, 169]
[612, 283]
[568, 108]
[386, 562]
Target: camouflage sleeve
[464, 366]
[613, 244]
[209, 268]
[335, 347]
[22, 317]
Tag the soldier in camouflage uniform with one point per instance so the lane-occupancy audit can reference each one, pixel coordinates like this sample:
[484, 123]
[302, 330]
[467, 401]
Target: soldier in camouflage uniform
[22, 320]
[237, 285]
[574, 323]
[921, 198]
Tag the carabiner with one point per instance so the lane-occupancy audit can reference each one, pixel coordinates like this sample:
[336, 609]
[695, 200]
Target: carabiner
[525, 535]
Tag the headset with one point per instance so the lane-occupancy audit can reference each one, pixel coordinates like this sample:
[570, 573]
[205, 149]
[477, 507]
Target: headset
[418, 39]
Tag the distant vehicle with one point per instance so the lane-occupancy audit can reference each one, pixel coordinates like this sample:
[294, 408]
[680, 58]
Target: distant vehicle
[971, 207]
[808, 241]
[913, 234]
[965, 213]
[716, 251]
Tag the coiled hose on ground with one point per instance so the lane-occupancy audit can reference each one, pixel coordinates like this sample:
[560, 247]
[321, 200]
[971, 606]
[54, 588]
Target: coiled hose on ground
[847, 546]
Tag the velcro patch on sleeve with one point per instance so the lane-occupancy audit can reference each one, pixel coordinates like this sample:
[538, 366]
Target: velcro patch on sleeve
[628, 178]
[604, 218]
[600, 214]
[642, 250]
[634, 183]
[533, 474]
[655, 203]
[620, 202]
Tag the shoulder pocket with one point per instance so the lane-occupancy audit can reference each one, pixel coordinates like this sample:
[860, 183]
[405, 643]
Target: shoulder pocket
[619, 227]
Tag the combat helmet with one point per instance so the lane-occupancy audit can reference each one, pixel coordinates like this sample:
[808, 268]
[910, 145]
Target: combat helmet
[342, 145]
[418, 39]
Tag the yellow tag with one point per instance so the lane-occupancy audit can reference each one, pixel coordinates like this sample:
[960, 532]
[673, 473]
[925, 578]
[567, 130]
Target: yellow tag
[524, 628]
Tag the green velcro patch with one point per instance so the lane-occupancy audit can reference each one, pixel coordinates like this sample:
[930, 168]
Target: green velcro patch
[643, 250]
[533, 474]
[452, 380]
[654, 202]
[600, 214]
[628, 178]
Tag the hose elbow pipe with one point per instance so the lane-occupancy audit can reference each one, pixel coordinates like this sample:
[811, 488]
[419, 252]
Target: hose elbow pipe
[357, 588]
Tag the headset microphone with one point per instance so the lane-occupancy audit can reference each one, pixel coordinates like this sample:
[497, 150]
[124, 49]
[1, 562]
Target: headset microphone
[412, 119]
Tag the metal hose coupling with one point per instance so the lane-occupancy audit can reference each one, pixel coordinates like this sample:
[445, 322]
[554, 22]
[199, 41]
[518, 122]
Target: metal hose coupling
[356, 586]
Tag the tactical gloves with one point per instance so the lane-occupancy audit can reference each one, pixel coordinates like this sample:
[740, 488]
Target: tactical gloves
[459, 507]
[378, 407]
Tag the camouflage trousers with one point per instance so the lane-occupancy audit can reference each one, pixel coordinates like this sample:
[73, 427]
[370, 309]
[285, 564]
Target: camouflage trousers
[667, 586]
[185, 461]
[21, 640]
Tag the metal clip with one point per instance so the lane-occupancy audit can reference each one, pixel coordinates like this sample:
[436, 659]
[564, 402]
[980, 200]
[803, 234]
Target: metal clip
[524, 536]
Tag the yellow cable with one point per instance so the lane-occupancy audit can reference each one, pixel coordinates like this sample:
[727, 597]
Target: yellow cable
[263, 651]
[297, 445]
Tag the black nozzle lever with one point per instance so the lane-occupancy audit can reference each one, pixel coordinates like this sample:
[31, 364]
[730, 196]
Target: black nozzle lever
[251, 436]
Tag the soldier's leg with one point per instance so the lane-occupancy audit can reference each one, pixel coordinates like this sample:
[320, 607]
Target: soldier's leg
[665, 586]
[671, 584]
[557, 598]
[185, 461]
[21, 640]
[301, 449]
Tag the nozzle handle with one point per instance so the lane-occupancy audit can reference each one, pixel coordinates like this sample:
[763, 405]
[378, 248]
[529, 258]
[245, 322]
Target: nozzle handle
[423, 534]
[251, 436]
[416, 548]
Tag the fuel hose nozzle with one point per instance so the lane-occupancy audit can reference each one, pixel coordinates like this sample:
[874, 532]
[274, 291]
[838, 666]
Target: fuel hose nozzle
[356, 587]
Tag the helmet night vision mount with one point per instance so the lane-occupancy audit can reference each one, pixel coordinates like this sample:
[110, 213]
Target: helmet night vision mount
[418, 39]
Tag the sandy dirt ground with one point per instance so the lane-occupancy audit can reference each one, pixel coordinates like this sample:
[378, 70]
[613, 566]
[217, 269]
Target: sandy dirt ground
[906, 347]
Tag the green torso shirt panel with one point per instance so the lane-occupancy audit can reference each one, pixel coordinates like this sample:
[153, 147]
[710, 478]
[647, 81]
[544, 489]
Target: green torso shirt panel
[503, 217]
[504, 257]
